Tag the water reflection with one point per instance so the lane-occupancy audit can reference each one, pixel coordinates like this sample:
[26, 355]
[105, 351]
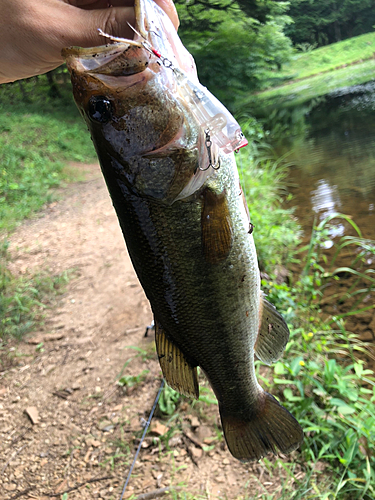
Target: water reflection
[333, 149]
[333, 156]
[326, 202]
[325, 199]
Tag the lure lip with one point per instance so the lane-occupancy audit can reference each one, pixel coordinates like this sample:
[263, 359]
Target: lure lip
[93, 59]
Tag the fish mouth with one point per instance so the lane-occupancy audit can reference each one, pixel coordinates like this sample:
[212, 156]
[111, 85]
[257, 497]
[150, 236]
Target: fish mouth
[127, 57]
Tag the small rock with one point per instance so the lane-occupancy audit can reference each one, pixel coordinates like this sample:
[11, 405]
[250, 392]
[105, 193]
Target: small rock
[38, 339]
[106, 425]
[175, 441]
[231, 479]
[33, 414]
[53, 336]
[194, 421]
[195, 452]
[220, 479]
[10, 487]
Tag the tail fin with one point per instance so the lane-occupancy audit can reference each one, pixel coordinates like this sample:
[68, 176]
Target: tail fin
[269, 428]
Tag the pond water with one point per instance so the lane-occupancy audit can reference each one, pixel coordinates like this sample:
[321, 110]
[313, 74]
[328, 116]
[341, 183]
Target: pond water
[332, 152]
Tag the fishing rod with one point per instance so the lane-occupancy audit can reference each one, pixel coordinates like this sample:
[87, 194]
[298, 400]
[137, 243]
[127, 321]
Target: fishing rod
[142, 438]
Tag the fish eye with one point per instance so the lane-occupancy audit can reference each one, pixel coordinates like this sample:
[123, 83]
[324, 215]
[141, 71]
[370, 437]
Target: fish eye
[100, 109]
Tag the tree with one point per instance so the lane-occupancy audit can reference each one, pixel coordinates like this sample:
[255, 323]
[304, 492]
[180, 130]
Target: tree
[327, 21]
[234, 53]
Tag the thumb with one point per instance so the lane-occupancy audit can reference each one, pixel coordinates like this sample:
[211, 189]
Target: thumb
[83, 27]
[82, 30]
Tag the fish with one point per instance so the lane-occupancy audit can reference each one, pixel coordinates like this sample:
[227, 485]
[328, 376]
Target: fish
[166, 149]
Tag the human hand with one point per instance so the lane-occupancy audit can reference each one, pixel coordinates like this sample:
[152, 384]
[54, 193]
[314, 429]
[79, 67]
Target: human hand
[33, 32]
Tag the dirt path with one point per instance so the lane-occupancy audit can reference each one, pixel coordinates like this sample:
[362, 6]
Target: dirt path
[85, 425]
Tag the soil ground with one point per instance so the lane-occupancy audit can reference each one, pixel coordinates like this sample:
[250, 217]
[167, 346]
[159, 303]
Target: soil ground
[67, 429]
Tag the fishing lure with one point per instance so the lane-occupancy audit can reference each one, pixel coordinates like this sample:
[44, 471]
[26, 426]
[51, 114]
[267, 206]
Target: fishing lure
[220, 129]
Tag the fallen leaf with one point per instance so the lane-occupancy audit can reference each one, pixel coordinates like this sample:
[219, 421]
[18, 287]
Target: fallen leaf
[33, 414]
[158, 428]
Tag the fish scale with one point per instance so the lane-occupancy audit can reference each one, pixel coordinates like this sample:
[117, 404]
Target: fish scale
[188, 297]
[165, 147]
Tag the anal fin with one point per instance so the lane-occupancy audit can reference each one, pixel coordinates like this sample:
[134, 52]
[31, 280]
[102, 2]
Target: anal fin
[273, 334]
[177, 371]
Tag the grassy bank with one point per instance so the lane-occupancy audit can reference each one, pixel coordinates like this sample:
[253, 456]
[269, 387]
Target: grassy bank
[39, 134]
[320, 378]
[316, 73]
[330, 57]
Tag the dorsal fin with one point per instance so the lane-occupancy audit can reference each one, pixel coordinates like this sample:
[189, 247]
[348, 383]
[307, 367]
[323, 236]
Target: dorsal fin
[177, 371]
[273, 334]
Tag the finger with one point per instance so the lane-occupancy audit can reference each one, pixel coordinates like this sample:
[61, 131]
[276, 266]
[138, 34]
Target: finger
[167, 5]
[100, 4]
[83, 27]
[170, 9]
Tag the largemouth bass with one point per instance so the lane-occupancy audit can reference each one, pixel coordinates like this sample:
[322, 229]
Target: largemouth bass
[165, 146]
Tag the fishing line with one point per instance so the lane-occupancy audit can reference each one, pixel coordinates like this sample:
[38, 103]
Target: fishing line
[241, 169]
[142, 438]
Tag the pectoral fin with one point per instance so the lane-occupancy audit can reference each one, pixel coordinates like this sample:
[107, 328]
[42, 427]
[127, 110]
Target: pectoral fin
[177, 371]
[217, 234]
[273, 334]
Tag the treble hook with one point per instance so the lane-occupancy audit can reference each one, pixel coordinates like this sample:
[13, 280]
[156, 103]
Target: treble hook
[208, 144]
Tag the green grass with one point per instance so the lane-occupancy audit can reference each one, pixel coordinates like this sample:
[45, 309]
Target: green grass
[329, 57]
[23, 300]
[39, 134]
[263, 179]
[37, 137]
[321, 377]
[316, 73]
[295, 93]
